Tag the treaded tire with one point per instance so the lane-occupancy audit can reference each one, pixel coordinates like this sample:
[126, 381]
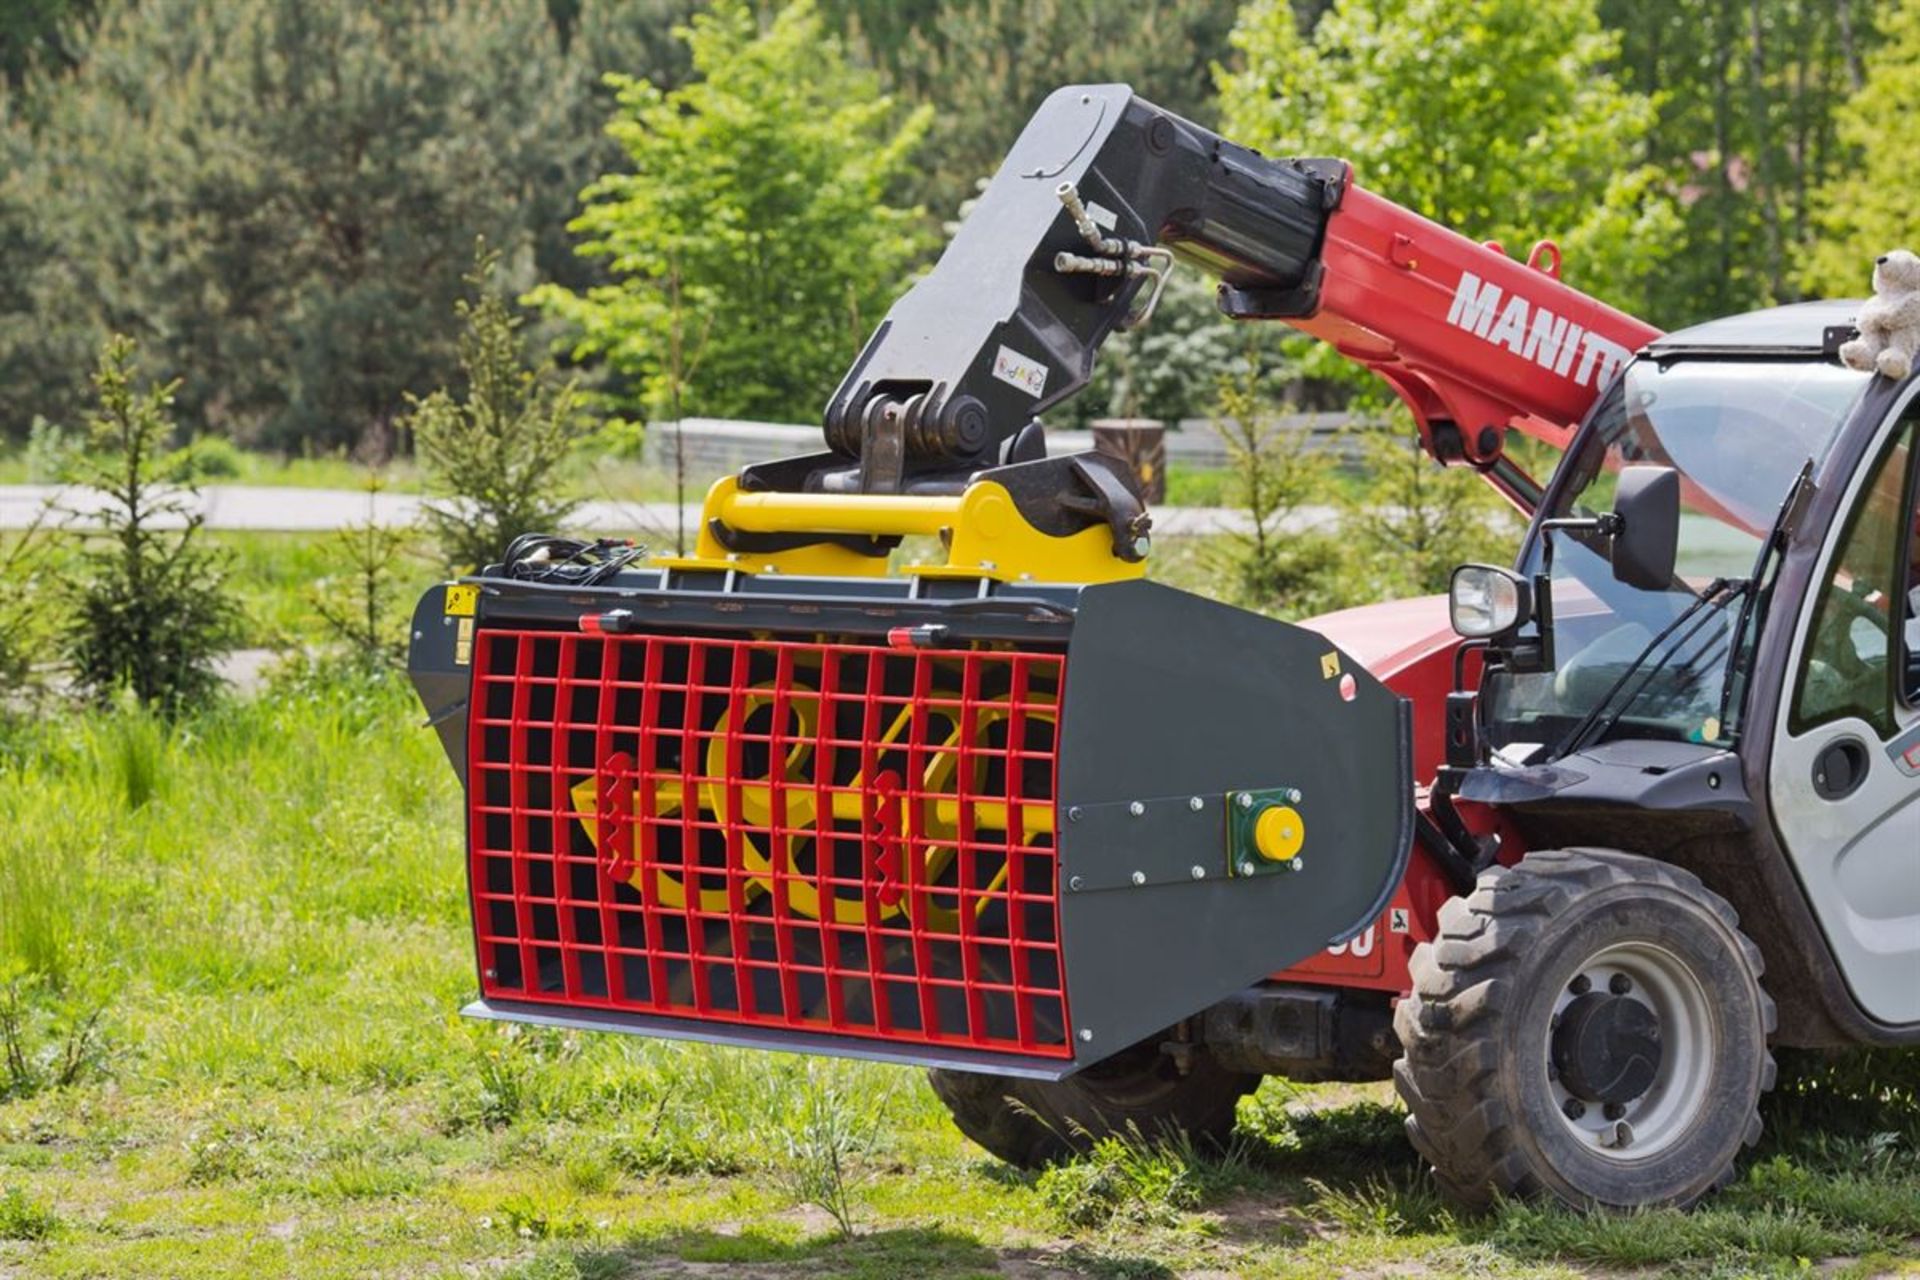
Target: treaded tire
[1475, 1032]
[1032, 1123]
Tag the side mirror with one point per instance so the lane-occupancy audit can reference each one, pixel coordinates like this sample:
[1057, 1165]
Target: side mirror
[1646, 541]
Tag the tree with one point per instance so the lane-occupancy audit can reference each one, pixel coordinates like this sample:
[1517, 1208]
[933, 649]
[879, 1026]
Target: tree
[279, 194]
[1169, 368]
[1496, 118]
[497, 451]
[1414, 521]
[1869, 208]
[1747, 95]
[1273, 473]
[988, 64]
[36, 34]
[151, 609]
[755, 212]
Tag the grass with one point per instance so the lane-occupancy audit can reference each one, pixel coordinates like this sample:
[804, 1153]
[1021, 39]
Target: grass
[234, 948]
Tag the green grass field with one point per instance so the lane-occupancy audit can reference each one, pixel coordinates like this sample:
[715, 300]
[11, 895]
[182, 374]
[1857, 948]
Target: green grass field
[231, 955]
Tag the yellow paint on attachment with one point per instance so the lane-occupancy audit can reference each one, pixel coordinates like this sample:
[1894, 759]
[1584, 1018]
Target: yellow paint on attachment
[985, 535]
[1279, 833]
[462, 599]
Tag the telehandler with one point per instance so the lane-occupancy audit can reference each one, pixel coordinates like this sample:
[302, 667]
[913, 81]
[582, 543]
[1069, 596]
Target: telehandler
[1563, 855]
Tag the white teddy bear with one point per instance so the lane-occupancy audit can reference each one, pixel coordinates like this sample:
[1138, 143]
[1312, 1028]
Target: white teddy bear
[1889, 322]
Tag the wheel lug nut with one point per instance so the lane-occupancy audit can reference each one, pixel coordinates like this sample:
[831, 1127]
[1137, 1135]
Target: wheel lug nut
[1580, 985]
[1574, 1108]
[1614, 1110]
[1619, 984]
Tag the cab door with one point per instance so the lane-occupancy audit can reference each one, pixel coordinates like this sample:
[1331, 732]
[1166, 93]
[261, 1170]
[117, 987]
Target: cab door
[1845, 774]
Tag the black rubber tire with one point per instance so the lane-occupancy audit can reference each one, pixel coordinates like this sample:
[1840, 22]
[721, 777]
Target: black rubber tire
[1474, 1031]
[1033, 1123]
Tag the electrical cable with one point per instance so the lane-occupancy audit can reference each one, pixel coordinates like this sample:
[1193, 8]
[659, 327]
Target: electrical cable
[562, 561]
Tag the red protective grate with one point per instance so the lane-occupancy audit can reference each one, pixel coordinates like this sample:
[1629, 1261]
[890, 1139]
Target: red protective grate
[868, 851]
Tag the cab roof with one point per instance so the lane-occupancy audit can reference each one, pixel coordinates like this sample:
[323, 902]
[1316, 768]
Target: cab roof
[1801, 328]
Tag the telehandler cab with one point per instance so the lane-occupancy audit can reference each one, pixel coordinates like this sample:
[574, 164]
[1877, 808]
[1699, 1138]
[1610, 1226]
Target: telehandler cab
[1100, 853]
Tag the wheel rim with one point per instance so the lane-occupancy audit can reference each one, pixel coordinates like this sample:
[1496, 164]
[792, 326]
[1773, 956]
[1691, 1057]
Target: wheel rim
[1638, 980]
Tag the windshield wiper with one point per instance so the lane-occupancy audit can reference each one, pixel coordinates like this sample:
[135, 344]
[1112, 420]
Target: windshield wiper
[1719, 593]
[1599, 721]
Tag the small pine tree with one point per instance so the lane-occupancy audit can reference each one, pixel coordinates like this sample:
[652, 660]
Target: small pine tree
[1415, 521]
[23, 611]
[151, 608]
[357, 602]
[496, 454]
[1272, 475]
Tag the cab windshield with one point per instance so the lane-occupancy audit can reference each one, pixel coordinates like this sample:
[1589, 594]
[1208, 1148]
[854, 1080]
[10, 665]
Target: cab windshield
[1627, 662]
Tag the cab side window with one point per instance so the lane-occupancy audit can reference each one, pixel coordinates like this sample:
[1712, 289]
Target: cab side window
[1863, 653]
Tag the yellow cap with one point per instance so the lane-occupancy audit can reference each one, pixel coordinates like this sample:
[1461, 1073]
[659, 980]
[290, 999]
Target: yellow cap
[1278, 833]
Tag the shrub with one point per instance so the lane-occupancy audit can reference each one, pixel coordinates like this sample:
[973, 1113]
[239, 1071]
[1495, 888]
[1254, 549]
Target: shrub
[24, 1218]
[150, 605]
[211, 458]
[1124, 1179]
[51, 450]
[46, 1042]
[496, 452]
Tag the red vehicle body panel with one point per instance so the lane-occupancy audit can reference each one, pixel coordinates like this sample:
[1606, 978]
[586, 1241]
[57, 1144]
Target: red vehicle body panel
[1409, 645]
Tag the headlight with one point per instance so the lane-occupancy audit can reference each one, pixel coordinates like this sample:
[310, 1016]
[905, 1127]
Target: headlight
[1487, 603]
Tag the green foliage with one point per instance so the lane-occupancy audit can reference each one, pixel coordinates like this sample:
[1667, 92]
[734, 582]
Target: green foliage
[362, 602]
[1129, 1179]
[211, 458]
[22, 1217]
[273, 195]
[1869, 208]
[495, 452]
[986, 65]
[46, 1041]
[1168, 369]
[1497, 118]
[50, 452]
[1746, 96]
[26, 590]
[1414, 521]
[151, 609]
[1272, 474]
[1133, 1182]
[751, 245]
[41, 35]
[826, 1129]
[1406, 1206]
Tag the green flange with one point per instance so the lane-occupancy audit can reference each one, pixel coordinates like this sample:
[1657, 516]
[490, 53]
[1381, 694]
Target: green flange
[1287, 832]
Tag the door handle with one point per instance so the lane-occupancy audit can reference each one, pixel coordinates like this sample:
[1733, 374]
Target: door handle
[1840, 768]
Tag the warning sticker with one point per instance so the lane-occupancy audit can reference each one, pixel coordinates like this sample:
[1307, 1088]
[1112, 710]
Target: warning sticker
[1017, 370]
[1397, 920]
[1330, 665]
[463, 643]
[1103, 217]
[462, 599]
